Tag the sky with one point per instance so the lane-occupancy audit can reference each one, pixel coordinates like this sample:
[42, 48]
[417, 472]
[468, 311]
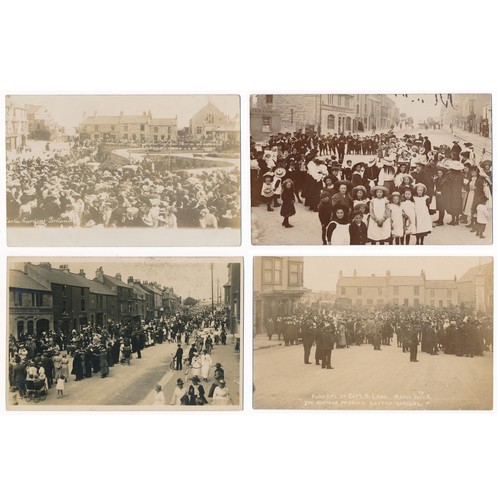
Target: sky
[419, 106]
[189, 277]
[68, 110]
[321, 273]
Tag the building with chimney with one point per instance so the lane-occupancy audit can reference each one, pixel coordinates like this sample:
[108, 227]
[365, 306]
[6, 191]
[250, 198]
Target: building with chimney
[139, 295]
[211, 124]
[41, 124]
[157, 294]
[128, 128]
[30, 305]
[475, 288]
[124, 294]
[16, 125]
[408, 291]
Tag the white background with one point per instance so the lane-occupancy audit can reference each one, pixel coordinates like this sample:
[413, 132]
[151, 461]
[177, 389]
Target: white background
[244, 48]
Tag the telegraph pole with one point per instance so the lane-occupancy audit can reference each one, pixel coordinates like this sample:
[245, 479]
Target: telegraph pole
[212, 284]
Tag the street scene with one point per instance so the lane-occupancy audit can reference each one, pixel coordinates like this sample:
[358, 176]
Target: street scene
[360, 169]
[165, 337]
[378, 333]
[84, 164]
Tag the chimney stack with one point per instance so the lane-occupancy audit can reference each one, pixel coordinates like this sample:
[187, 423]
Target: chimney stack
[99, 275]
[64, 267]
[130, 279]
[118, 276]
[82, 273]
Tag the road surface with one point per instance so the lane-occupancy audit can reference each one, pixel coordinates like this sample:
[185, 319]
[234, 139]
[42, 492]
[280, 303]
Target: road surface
[363, 378]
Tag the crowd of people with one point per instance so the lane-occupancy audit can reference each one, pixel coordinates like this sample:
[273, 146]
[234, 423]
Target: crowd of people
[44, 360]
[374, 189]
[460, 331]
[71, 189]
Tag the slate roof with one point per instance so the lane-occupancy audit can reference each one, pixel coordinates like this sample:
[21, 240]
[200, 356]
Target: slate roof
[441, 284]
[18, 279]
[473, 271]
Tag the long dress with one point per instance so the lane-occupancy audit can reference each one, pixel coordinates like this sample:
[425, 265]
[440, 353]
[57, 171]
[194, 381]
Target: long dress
[206, 363]
[423, 217]
[196, 366]
[398, 229]
[288, 200]
[379, 211]
[221, 396]
[409, 210]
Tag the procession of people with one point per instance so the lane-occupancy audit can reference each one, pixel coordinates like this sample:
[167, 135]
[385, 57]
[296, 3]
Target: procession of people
[373, 189]
[89, 187]
[458, 331]
[47, 360]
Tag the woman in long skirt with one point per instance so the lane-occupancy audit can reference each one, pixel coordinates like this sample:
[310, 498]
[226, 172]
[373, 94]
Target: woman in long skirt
[288, 202]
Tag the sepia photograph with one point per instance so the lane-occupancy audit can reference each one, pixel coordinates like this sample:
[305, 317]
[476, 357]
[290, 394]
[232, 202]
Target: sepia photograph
[373, 333]
[151, 333]
[368, 169]
[123, 170]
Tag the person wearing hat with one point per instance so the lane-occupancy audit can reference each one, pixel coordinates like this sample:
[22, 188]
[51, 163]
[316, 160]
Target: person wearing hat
[180, 396]
[439, 181]
[221, 395]
[218, 376]
[452, 191]
[288, 202]
[397, 219]
[357, 229]
[77, 369]
[357, 174]
[329, 187]
[379, 222]
[482, 216]
[423, 217]
[387, 174]
[178, 357]
[196, 393]
[267, 191]
[359, 196]
[455, 151]
[370, 175]
[325, 213]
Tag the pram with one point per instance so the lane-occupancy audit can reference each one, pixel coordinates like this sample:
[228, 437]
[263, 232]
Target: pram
[35, 389]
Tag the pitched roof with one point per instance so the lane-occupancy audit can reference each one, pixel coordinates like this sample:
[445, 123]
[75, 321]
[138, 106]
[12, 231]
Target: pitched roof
[134, 119]
[442, 284]
[116, 281]
[405, 281]
[362, 281]
[164, 121]
[152, 288]
[18, 279]
[473, 271]
[100, 288]
[101, 120]
[58, 276]
[139, 290]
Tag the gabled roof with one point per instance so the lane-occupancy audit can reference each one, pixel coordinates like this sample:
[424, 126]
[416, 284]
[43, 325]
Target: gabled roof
[139, 290]
[152, 288]
[473, 271]
[18, 279]
[100, 288]
[59, 277]
[116, 281]
[134, 119]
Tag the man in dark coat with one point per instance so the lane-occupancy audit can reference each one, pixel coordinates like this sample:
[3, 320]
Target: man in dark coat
[178, 357]
[455, 151]
[427, 145]
[19, 374]
[48, 366]
[307, 341]
[326, 342]
[414, 343]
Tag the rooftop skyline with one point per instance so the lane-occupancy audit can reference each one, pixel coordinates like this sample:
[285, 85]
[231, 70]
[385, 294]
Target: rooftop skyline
[188, 277]
[321, 273]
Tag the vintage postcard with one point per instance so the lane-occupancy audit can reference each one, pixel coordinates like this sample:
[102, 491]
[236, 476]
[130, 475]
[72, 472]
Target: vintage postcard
[106, 333]
[373, 333]
[360, 169]
[123, 170]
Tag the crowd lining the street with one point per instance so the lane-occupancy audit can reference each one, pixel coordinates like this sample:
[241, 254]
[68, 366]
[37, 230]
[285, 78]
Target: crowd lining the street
[44, 360]
[457, 331]
[374, 189]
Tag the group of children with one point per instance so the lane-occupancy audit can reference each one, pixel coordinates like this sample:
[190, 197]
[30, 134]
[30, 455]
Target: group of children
[355, 219]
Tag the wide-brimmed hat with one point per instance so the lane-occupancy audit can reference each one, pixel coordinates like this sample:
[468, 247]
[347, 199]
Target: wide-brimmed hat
[279, 172]
[376, 188]
[419, 184]
[408, 176]
[395, 193]
[359, 205]
[372, 162]
[358, 188]
[268, 174]
[455, 165]
[180, 381]
[328, 177]
[195, 379]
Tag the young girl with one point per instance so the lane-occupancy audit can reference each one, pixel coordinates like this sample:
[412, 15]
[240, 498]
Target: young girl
[329, 189]
[423, 217]
[342, 197]
[60, 386]
[357, 229]
[406, 183]
[337, 232]
[357, 175]
[379, 223]
[288, 202]
[397, 219]
[482, 216]
[325, 212]
[267, 191]
[359, 196]
[408, 207]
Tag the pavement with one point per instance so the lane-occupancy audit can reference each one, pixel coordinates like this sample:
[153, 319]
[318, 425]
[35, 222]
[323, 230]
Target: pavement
[363, 378]
[267, 228]
[134, 385]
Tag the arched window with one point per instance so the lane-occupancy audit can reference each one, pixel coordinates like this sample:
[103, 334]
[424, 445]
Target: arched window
[20, 328]
[31, 327]
[330, 122]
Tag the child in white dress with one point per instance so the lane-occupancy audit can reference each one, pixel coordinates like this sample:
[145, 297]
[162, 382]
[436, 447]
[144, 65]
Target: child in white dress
[408, 207]
[379, 222]
[423, 217]
[397, 219]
